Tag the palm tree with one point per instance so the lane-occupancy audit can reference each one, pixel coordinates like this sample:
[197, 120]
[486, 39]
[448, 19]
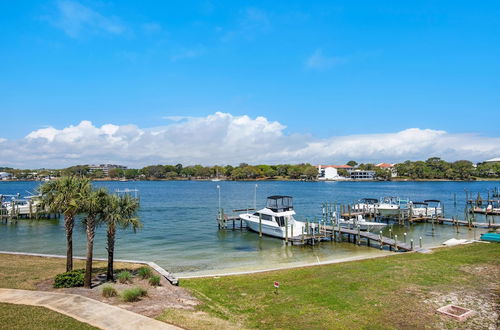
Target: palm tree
[93, 205]
[120, 212]
[65, 196]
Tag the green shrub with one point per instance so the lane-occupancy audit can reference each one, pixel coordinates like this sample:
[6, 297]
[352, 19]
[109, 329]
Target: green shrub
[109, 291]
[134, 294]
[144, 272]
[154, 280]
[124, 277]
[69, 279]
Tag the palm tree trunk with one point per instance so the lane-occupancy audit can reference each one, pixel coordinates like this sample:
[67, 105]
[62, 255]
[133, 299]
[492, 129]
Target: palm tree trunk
[111, 250]
[68, 224]
[90, 251]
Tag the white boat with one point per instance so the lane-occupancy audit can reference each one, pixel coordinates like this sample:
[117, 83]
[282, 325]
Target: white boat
[392, 206]
[362, 223]
[366, 205]
[216, 179]
[276, 219]
[22, 206]
[427, 208]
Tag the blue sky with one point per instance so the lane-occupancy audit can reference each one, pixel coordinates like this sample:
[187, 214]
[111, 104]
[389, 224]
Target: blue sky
[322, 69]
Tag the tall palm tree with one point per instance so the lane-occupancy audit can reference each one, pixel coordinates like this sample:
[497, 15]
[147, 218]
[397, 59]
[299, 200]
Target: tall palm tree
[120, 211]
[93, 205]
[65, 196]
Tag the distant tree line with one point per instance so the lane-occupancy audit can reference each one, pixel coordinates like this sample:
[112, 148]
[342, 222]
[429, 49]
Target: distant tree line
[436, 168]
[179, 172]
[432, 168]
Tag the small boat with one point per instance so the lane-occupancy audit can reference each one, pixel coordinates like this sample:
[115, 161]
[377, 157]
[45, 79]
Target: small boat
[366, 205]
[276, 219]
[422, 209]
[491, 237]
[390, 206]
[361, 222]
[216, 179]
[21, 206]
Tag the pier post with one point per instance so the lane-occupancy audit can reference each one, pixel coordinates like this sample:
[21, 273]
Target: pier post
[411, 244]
[390, 232]
[302, 234]
[420, 241]
[30, 204]
[404, 237]
[291, 229]
[260, 225]
[286, 230]
[396, 242]
[381, 242]
[359, 236]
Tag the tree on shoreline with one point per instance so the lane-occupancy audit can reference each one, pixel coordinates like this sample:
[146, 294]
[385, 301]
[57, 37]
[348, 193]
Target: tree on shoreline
[119, 211]
[65, 196]
[93, 205]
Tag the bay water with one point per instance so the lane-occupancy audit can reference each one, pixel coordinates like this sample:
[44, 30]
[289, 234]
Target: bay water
[180, 229]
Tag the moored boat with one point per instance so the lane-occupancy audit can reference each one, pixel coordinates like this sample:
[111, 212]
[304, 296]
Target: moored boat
[276, 219]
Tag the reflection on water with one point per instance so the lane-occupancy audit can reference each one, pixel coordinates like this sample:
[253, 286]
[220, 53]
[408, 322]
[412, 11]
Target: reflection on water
[180, 231]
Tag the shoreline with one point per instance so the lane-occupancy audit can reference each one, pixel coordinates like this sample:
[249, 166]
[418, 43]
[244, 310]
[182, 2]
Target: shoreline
[173, 279]
[278, 180]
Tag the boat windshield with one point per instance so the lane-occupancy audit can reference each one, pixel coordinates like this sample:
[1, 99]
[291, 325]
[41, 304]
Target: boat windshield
[279, 203]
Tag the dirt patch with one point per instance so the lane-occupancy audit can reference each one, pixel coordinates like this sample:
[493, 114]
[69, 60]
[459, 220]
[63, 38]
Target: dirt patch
[154, 304]
[485, 303]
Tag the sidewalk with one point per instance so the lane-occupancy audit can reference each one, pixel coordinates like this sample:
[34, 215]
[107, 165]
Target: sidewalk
[83, 309]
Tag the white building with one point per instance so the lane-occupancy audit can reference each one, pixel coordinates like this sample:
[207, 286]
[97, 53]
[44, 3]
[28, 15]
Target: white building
[5, 175]
[105, 168]
[390, 167]
[330, 172]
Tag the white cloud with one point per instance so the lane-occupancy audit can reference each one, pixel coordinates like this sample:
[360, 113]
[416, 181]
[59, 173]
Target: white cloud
[319, 61]
[74, 19]
[222, 138]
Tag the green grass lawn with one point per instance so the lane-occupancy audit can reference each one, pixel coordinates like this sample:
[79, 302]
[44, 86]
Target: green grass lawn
[34, 317]
[394, 292]
[24, 272]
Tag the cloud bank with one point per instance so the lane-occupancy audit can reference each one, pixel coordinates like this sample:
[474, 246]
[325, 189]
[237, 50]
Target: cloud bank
[222, 138]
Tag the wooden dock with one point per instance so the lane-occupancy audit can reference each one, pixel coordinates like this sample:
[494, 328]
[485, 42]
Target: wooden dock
[355, 236]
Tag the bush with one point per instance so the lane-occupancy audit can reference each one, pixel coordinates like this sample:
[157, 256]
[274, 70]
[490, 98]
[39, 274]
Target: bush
[134, 294]
[124, 277]
[154, 280]
[144, 272]
[109, 291]
[69, 279]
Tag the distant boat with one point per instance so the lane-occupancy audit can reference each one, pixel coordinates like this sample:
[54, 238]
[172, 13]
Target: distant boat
[216, 179]
[123, 180]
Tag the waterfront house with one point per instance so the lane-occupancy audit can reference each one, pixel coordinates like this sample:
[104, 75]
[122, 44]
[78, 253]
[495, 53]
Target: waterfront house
[5, 176]
[330, 172]
[390, 167]
[105, 168]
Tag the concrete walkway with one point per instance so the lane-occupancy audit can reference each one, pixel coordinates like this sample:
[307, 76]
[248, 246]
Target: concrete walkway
[83, 309]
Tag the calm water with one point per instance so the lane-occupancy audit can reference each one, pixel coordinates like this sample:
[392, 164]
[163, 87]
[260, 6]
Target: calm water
[180, 231]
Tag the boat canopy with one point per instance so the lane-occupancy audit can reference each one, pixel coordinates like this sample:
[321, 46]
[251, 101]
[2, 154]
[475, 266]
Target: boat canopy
[369, 200]
[432, 201]
[420, 203]
[279, 203]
